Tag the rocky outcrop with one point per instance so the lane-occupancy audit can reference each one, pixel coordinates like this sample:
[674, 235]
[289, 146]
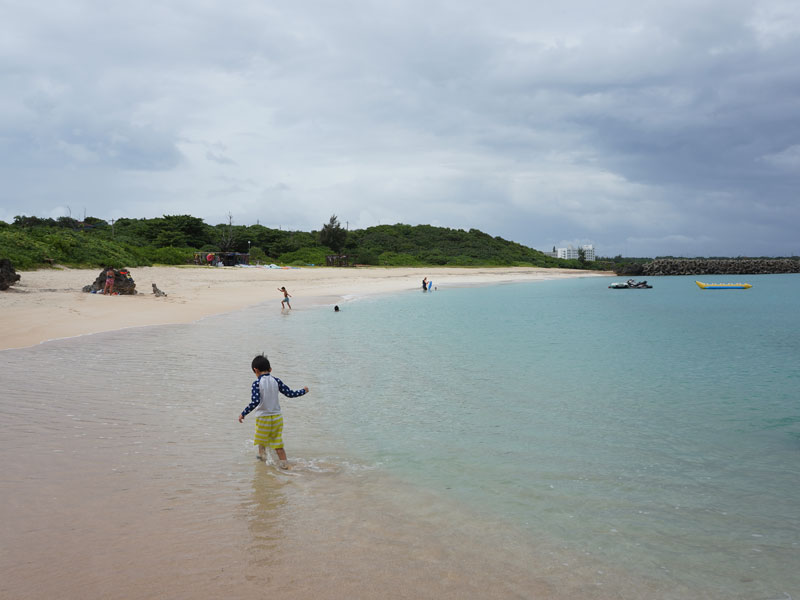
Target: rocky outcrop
[8, 276]
[123, 283]
[714, 266]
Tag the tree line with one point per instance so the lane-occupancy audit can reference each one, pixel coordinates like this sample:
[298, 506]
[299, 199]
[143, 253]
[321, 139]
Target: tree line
[32, 242]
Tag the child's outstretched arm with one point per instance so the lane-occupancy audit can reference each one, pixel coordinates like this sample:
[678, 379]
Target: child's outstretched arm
[287, 391]
[255, 396]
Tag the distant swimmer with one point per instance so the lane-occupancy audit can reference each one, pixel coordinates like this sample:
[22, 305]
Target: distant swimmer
[336, 308]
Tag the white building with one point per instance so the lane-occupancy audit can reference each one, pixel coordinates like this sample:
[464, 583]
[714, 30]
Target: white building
[572, 253]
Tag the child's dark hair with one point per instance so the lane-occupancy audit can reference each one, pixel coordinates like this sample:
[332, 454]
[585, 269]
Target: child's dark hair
[261, 363]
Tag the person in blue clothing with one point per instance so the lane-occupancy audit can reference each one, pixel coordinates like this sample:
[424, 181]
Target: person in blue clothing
[286, 296]
[267, 410]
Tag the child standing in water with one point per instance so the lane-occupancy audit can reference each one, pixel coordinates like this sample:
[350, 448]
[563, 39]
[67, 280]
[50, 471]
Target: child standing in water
[264, 405]
[286, 296]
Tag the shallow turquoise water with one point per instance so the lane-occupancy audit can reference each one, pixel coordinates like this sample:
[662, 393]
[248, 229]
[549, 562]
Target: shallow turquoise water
[656, 427]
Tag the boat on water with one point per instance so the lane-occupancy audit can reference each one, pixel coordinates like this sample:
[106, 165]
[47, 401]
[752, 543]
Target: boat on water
[630, 285]
[723, 286]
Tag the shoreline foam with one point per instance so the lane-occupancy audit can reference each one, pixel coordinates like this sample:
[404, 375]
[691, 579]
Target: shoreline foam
[48, 304]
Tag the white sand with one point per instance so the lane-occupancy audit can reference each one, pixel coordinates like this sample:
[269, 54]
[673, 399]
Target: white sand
[49, 304]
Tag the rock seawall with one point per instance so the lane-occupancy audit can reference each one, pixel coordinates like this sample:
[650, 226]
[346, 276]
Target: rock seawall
[713, 266]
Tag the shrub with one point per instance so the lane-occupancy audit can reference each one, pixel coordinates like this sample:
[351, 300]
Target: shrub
[257, 255]
[170, 255]
[463, 261]
[22, 249]
[397, 259]
[305, 256]
[366, 257]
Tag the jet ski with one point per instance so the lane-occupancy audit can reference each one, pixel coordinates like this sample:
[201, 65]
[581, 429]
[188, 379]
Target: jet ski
[630, 285]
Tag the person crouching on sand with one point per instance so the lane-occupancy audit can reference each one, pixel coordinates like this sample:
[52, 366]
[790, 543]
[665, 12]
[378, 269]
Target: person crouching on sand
[286, 296]
[264, 405]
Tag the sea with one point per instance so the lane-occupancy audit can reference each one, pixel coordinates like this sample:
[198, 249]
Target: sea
[550, 439]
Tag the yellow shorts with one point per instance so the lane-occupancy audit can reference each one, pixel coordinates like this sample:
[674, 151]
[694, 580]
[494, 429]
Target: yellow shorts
[269, 431]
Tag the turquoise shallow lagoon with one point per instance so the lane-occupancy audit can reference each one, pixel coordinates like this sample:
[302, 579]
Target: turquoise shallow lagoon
[594, 442]
[659, 428]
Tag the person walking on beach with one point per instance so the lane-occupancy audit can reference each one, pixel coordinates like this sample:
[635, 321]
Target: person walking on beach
[108, 288]
[425, 285]
[286, 296]
[267, 410]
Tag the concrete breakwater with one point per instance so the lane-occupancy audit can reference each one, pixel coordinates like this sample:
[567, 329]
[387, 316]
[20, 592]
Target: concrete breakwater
[713, 266]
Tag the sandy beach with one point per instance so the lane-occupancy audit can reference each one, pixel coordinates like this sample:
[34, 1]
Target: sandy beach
[49, 304]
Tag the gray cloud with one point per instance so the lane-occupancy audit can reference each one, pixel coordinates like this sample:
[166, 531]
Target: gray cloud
[644, 129]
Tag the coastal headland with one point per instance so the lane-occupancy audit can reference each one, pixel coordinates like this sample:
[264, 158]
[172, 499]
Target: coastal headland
[50, 304]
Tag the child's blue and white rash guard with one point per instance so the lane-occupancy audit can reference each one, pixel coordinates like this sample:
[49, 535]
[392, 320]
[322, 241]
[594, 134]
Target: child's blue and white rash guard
[264, 396]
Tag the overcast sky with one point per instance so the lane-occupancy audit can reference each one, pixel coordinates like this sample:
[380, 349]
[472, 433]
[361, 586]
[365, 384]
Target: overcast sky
[645, 127]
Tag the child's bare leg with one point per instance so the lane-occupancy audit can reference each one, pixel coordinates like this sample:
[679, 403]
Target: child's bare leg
[282, 457]
[262, 453]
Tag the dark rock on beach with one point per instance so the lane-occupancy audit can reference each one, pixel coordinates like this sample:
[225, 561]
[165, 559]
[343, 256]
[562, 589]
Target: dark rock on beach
[123, 283]
[8, 276]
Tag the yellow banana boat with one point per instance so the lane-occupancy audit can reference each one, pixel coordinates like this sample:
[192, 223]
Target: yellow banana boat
[723, 286]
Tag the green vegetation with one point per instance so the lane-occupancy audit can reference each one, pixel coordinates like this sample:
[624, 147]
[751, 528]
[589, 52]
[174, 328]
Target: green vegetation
[423, 245]
[626, 265]
[333, 235]
[32, 242]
